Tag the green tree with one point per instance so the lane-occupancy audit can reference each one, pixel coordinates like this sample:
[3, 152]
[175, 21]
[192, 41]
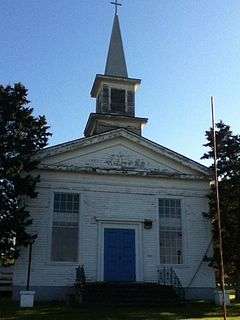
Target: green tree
[21, 136]
[228, 165]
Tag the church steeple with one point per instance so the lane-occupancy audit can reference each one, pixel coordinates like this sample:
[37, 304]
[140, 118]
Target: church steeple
[114, 91]
[116, 63]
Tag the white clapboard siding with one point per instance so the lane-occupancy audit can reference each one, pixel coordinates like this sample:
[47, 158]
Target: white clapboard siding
[119, 198]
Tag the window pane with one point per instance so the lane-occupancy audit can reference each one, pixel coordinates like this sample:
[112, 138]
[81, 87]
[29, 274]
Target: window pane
[64, 243]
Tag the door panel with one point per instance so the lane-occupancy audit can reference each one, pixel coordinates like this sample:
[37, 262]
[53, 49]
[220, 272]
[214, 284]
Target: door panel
[119, 255]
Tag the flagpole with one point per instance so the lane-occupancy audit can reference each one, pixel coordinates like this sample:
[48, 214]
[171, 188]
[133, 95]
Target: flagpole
[218, 213]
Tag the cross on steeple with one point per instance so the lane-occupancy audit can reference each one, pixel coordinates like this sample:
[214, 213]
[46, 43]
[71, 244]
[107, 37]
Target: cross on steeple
[116, 4]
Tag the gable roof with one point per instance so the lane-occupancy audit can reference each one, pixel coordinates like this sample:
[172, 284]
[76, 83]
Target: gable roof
[144, 142]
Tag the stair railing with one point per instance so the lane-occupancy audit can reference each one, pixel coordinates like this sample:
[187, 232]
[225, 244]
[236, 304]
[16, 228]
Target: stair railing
[168, 277]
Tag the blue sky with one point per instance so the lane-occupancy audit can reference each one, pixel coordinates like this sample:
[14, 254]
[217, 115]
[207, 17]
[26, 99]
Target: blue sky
[183, 50]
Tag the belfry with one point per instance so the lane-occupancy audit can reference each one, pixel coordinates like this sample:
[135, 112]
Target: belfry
[114, 92]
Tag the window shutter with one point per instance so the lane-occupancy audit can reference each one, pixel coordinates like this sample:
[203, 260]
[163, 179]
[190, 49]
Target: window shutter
[98, 104]
[105, 99]
[131, 103]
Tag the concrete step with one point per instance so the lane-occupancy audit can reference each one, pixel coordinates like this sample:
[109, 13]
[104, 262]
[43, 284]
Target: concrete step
[129, 294]
[6, 281]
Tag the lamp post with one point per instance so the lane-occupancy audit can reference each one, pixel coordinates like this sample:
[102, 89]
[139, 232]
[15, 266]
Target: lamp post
[29, 263]
[27, 296]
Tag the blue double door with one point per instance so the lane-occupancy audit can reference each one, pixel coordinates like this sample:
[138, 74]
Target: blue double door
[119, 255]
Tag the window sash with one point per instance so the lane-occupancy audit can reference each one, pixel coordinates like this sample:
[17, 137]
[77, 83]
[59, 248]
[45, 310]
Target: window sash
[170, 208]
[64, 246]
[66, 202]
[170, 231]
[65, 227]
[171, 246]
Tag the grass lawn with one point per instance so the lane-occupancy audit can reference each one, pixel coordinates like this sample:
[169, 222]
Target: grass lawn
[9, 311]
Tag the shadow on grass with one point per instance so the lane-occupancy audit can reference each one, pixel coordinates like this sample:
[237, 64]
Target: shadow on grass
[10, 311]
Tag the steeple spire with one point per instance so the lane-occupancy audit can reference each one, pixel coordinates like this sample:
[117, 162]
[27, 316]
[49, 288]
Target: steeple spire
[114, 91]
[116, 64]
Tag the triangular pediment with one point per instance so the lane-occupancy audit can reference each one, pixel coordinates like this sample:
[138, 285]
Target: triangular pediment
[119, 156]
[119, 150]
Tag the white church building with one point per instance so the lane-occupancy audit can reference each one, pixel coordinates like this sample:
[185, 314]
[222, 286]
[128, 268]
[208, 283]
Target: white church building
[117, 203]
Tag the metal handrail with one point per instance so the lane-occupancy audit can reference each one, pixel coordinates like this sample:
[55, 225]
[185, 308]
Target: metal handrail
[168, 277]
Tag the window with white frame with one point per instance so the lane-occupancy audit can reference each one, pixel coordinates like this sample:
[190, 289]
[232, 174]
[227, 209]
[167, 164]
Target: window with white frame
[64, 245]
[170, 231]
